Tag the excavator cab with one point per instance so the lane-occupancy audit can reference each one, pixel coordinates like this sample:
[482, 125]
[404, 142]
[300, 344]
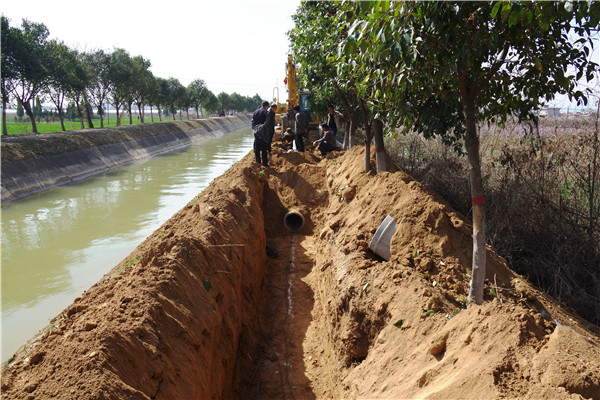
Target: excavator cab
[304, 104]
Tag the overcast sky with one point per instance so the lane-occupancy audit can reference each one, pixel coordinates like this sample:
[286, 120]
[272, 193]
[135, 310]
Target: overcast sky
[233, 45]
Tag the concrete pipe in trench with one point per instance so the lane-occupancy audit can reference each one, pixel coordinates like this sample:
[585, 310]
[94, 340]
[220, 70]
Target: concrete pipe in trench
[294, 220]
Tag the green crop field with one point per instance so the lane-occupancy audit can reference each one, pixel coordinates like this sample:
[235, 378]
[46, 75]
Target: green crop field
[23, 128]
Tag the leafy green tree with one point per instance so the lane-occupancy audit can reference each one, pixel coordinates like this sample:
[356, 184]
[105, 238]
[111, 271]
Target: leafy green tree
[142, 84]
[160, 96]
[212, 103]
[80, 81]
[197, 92]
[320, 29]
[442, 68]
[121, 72]
[174, 94]
[100, 85]
[225, 100]
[28, 55]
[62, 75]
[8, 71]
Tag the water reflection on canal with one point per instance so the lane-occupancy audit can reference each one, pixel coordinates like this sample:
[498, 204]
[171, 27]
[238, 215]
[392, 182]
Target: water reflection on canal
[57, 243]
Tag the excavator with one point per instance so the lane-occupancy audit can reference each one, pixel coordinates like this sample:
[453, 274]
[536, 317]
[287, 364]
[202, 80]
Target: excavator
[285, 116]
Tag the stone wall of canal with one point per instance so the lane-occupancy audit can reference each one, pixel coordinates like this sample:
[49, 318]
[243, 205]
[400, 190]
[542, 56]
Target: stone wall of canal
[37, 162]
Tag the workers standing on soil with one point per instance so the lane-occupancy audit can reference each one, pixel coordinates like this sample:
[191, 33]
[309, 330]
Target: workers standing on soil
[334, 121]
[327, 141]
[270, 125]
[259, 117]
[301, 127]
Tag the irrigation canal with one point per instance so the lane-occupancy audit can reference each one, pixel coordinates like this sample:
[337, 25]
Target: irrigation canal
[57, 243]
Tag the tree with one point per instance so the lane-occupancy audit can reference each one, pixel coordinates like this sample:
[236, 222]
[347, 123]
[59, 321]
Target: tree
[197, 92]
[62, 69]
[8, 68]
[160, 95]
[448, 66]
[142, 84]
[28, 55]
[80, 81]
[100, 85]
[212, 103]
[121, 72]
[225, 100]
[174, 92]
[320, 29]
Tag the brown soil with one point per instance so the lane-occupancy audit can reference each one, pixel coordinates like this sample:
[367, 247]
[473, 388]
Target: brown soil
[199, 311]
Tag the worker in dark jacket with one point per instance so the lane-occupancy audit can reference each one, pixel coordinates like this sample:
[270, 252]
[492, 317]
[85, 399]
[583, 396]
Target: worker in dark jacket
[301, 127]
[270, 124]
[327, 142]
[260, 139]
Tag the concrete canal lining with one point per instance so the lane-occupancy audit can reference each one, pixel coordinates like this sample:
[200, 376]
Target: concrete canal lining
[23, 175]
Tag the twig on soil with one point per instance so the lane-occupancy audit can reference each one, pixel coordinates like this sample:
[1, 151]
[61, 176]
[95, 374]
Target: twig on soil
[497, 292]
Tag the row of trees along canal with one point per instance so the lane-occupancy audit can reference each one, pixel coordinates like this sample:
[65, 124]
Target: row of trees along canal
[442, 68]
[35, 67]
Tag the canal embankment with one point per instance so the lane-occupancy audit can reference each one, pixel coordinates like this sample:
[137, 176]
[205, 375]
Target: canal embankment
[31, 163]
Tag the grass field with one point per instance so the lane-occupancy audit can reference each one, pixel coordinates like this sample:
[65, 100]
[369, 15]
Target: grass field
[24, 128]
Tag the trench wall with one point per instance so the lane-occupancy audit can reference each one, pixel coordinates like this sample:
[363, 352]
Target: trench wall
[166, 322]
[33, 174]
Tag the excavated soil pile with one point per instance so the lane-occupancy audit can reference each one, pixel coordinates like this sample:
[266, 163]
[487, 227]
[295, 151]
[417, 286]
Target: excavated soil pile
[223, 302]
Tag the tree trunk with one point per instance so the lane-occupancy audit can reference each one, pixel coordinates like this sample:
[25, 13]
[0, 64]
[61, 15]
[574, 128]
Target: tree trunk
[140, 107]
[173, 114]
[4, 128]
[367, 155]
[479, 250]
[345, 144]
[61, 118]
[368, 134]
[187, 111]
[88, 116]
[379, 146]
[118, 116]
[130, 114]
[4, 95]
[80, 114]
[29, 112]
[101, 116]
[159, 113]
[151, 114]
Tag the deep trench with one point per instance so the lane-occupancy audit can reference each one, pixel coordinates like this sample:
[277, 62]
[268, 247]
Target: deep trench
[270, 359]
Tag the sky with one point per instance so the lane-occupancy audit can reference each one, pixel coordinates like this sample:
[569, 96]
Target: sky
[233, 45]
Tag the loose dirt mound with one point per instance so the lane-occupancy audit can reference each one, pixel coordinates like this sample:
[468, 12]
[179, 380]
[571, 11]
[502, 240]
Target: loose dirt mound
[200, 311]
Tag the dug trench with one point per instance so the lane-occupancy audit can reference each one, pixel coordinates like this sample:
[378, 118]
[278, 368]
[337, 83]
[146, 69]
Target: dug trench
[223, 301]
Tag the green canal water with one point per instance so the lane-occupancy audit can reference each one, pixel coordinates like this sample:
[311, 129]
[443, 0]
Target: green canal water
[57, 243]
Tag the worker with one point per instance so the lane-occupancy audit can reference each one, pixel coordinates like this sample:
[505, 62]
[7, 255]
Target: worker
[334, 121]
[301, 127]
[270, 125]
[327, 141]
[259, 117]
